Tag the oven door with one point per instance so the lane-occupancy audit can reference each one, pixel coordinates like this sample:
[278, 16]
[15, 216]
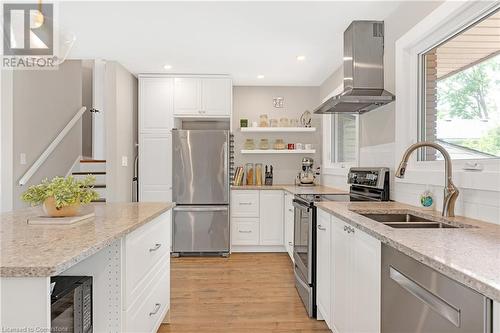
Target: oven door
[303, 238]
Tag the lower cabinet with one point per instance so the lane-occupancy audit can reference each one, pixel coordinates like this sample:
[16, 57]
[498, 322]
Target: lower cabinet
[355, 269]
[289, 221]
[323, 264]
[257, 222]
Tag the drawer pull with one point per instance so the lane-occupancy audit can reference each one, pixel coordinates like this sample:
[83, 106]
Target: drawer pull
[290, 243]
[245, 231]
[320, 227]
[156, 247]
[155, 311]
[245, 203]
[290, 210]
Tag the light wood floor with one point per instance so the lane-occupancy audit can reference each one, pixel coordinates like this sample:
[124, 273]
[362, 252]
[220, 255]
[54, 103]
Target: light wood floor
[246, 293]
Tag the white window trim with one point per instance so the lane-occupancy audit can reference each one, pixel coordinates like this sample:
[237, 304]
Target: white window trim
[329, 167]
[449, 18]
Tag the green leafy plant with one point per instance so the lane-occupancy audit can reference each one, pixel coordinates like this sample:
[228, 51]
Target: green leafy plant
[66, 191]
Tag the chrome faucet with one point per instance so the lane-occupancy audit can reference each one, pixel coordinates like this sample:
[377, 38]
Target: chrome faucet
[450, 190]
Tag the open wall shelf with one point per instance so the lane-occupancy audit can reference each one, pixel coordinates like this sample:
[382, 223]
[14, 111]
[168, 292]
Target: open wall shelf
[278, 151]
[277, 129]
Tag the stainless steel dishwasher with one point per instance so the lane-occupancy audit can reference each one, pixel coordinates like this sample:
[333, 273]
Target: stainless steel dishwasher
[418, 299]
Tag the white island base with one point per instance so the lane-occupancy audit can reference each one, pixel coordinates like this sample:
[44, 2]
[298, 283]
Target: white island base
[131, 285]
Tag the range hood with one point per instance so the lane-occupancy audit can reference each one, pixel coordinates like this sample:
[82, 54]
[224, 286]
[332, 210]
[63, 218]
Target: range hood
[363, 71]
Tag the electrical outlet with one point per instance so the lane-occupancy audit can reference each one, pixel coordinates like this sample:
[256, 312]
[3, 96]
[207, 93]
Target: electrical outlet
[22, 158]
[124, 161]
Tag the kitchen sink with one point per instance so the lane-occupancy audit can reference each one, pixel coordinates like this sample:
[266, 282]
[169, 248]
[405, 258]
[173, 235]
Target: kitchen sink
[408, 221]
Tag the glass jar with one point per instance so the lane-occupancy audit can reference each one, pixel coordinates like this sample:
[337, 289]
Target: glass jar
[263, 121]
[249, 174]
[249, 144]
[258, 174]
[274, 122]
[264, 144]
[279, 144]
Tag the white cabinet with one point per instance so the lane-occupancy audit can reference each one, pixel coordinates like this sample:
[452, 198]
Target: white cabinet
[271, 217]
[155, 167]
[245, 231]
[355, 294]
[155, 104]
[202, 96]
[257, 221]
[187, 96]
[289, 220]
[323, 264]
[245, 203]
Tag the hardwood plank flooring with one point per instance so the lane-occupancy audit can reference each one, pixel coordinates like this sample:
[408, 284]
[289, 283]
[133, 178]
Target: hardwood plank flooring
[247, 293]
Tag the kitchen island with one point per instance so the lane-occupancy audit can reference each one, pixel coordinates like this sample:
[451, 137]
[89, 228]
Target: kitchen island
[125, 248]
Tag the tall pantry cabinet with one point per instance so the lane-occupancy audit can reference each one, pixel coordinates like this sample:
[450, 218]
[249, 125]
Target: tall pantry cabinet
[162, 100]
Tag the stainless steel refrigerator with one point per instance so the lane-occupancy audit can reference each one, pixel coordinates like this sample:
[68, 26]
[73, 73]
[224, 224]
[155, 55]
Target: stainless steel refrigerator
[200, 190]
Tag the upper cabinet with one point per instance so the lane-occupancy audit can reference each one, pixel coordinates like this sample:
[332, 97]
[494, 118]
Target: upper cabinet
[202, 97]
[156, 104]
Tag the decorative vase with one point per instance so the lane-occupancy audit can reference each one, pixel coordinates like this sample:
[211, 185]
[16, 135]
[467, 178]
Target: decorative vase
[50, 209]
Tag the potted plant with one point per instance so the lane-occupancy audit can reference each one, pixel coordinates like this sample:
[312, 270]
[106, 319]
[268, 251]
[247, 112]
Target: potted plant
[61, 196]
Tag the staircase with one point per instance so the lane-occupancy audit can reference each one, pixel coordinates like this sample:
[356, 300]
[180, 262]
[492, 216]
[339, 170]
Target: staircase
[97, 168]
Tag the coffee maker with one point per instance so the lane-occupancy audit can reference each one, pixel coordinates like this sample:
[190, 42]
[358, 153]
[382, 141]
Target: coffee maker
[306, 176]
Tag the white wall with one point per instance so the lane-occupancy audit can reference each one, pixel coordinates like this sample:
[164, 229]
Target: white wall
[44, 101]
[251, 102]
[121, 131]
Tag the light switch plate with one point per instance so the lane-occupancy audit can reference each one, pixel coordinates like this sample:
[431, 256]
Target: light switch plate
[22, 158]
[124, 161]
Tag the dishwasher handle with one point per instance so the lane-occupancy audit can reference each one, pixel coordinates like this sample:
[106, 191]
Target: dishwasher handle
[435, 302]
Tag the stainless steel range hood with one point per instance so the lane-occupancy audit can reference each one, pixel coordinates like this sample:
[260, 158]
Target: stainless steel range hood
[363, 71]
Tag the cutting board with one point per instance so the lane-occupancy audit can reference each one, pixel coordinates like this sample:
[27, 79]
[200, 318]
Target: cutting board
[46, 220]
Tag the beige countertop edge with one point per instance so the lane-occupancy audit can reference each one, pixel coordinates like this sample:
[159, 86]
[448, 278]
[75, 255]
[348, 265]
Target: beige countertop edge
[470, 278]
[44, 271]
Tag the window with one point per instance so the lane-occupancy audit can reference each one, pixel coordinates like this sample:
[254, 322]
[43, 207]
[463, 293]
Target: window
[460, 99]
[344, 138]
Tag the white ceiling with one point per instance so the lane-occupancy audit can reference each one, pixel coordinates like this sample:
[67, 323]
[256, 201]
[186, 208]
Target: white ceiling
[243, 39]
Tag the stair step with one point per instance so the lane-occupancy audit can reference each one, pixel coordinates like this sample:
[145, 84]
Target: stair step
[99, 186]
[89, 173]
[99, 179]
[92, 161]
[100, 200]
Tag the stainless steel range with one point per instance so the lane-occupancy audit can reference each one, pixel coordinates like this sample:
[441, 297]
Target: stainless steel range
[366, 184]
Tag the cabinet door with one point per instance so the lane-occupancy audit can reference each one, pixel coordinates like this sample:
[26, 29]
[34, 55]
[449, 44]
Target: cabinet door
[156, 103]
[323, 264]
[187, 96]
[288, 214]
[155, 167]
[245, 231]
[271, 217]
[341, 268]
[366, 282]
[216, 96]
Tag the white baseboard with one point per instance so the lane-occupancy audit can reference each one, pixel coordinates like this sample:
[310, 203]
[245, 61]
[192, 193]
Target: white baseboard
[70, 171]
[258, 248]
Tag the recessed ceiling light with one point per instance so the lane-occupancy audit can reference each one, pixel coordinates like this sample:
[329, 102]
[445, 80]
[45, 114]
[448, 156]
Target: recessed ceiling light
[167, 67]
[260, 76]
[301, 58]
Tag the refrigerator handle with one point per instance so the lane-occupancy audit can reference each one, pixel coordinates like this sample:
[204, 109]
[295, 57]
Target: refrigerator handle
[200, 209]
[226, 165]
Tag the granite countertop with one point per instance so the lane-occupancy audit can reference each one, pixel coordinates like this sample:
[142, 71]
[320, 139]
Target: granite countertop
[47, 250]
[293, 189]
[468, 255]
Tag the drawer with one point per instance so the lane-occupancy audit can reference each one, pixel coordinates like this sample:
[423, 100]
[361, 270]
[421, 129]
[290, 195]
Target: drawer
[245, 203]
[148, 311]
[143, 249]
[245, 231]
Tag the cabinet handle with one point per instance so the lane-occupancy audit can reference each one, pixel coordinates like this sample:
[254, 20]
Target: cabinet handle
[245, 203]
[154, 248]
[156, 309]
[290, 210]
[245, 231]
[290, 243]
[320, 227]
[345, 228]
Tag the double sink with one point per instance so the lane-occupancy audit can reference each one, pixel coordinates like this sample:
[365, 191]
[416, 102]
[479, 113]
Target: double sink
[410, 221]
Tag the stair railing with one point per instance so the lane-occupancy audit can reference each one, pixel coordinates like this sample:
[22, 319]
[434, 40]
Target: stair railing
[46, 153]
